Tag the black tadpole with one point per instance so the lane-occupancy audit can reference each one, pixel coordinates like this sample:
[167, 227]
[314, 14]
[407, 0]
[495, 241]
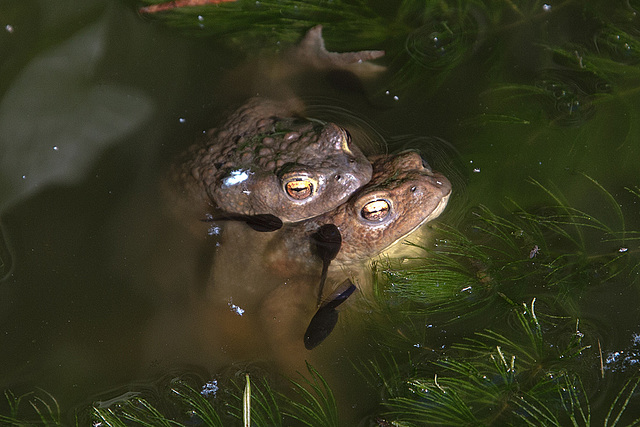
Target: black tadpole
[326, 244]
[261, 222]
[326, 318]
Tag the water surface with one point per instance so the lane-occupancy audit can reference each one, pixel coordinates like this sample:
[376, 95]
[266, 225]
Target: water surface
[98, 286]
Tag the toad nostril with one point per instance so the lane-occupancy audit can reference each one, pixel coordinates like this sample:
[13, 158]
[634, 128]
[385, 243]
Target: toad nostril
[338, 177]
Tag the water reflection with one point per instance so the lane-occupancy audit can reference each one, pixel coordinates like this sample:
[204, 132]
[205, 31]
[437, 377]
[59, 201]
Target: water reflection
[75, 124]
[55, 119]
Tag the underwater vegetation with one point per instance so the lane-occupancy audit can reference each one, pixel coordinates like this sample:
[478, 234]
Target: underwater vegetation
[251, 402]
[525, 365]
[583, 42]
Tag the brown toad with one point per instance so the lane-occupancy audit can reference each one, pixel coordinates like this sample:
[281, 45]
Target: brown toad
[263, 287]
[267, 159]
[264, 160]
[403, 194]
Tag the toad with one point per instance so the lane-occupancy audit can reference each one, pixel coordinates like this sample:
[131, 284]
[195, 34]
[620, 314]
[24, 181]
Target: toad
[403, 194]
[266, 158]
[263, 286]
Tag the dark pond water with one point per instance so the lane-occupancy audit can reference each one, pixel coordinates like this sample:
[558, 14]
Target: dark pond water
[97, 286]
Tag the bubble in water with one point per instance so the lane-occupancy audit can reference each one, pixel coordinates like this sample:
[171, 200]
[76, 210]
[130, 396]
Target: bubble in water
[567, 95]
[438, 45]
[618, 44]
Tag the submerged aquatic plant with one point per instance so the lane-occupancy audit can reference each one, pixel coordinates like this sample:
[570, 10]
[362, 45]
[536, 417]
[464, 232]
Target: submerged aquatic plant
[427, 44]
[272, 23]
[33, 408]
[530, 373]
[253, 403]
[317, 405]
[262, 402]
[555, 253]
[135, 410]
[494, 379]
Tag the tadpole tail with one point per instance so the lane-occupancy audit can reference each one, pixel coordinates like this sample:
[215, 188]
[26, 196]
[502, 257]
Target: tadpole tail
[323, 278]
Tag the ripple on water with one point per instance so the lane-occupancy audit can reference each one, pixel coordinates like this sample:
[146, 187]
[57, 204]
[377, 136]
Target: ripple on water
[621, 46]
[568, 95]
[440, 45]
[366, 137]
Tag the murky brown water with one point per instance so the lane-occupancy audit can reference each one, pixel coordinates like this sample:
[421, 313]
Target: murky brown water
[102, 289]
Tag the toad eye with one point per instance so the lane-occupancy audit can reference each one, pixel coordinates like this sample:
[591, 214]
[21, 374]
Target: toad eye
[299, 188]
[376, 210]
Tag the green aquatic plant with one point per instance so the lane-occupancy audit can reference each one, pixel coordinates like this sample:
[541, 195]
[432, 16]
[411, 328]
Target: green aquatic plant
[41, 409]
[530, 373]
[317, 405]
[429, 43]
[577, 81]
[311, 404]
[183, 405]
[197, 405]
[262, 402]
[135, 410]
[253, 403]
[553, 253]
[576, 407]
[246, 403]
[256, 24]
[498, 379]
